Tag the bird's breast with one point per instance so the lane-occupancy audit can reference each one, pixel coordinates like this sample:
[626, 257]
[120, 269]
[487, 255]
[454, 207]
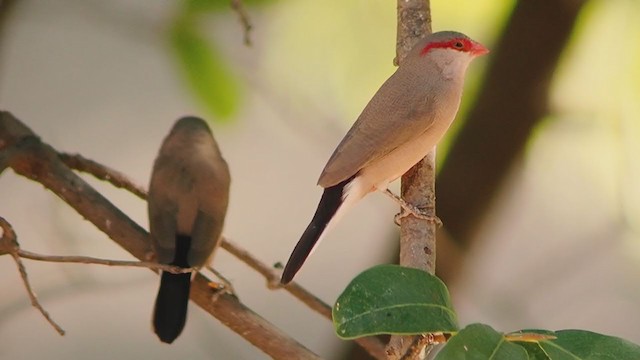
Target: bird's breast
[388, 168]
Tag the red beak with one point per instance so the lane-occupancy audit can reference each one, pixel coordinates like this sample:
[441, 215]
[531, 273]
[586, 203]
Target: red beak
[478, 49]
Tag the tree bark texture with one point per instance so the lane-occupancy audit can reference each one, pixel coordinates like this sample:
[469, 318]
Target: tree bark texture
[417, 236]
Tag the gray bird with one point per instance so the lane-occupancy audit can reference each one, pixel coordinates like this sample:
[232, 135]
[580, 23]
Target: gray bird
[404, 120]
[187, 203]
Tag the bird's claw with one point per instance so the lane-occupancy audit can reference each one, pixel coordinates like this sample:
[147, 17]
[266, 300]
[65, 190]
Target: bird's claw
[418, 214]
[222, 286]
[408, 209]
[217, 286]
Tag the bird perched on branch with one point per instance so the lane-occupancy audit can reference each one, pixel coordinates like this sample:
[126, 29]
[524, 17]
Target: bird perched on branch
[187, 203]
[404, 120]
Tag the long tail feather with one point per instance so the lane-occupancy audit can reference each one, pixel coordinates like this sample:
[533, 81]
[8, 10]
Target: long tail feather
[170, 312]
[331, 201]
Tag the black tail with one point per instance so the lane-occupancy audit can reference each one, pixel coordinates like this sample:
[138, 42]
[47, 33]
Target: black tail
[329, 204]
[170, 312]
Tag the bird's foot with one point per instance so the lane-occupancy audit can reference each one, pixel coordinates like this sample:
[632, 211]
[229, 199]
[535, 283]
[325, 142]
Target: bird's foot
[222, 286]
[418, 214]
[408, 209]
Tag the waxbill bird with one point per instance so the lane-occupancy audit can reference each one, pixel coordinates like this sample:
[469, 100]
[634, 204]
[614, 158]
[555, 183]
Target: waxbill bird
[187, 203]
[403, 121]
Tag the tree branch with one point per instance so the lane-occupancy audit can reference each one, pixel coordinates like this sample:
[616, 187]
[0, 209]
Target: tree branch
[23, 151]
[97, 261]
[9, 245]
[417, 236]
[116, 178]
[243, 16]
[371, 345]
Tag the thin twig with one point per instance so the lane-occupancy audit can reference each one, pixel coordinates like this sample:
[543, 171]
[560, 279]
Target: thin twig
[226, 285]
[8, 240]
[97, 261]
[9, 244]
[273, 280]
[34, 299]
[243, 16]
[372, 345]
[116, 178]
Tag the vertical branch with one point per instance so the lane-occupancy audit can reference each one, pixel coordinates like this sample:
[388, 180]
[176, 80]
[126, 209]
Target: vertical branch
[417, 236]
[414, 23]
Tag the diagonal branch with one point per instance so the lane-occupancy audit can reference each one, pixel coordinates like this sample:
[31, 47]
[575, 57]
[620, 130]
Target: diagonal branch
[371, 345]
[23, 151]
[9, 244]
[243, 17]
[116, 178]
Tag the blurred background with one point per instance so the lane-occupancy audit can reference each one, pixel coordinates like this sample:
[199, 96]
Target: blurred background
[537, 185]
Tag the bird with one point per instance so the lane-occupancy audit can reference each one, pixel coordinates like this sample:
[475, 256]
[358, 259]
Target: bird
[187, 204]
[402, 122]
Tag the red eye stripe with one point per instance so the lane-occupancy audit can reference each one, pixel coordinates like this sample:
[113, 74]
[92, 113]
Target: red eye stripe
[467, 45]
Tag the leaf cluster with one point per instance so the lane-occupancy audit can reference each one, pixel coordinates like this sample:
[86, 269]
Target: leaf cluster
[391, 299]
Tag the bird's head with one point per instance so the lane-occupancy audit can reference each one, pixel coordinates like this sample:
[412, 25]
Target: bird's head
[451, 51]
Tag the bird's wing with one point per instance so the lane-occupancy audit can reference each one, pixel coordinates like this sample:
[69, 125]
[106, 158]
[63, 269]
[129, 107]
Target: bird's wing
[392, 117]
[162, 226]
[167, 184]
[213, 201]
[204, 238]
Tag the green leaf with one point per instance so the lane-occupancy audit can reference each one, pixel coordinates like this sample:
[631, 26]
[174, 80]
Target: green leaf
[206, 72]
[481, 342]
[581, 344]
[390, 299]
[534, 351]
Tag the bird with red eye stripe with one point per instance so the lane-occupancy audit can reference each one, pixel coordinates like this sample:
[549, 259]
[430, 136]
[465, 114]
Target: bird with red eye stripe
[403, 121]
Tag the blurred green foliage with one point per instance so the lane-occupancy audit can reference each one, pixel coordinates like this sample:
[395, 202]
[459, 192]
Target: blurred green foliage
[205, 69]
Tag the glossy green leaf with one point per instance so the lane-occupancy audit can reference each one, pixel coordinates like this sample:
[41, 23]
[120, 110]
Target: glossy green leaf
[206, 72]
[390, 299]
[581, 345]
[481, 342]
[534, 351]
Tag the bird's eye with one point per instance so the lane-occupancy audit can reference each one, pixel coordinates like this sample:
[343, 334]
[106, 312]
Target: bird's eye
[458, 45]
